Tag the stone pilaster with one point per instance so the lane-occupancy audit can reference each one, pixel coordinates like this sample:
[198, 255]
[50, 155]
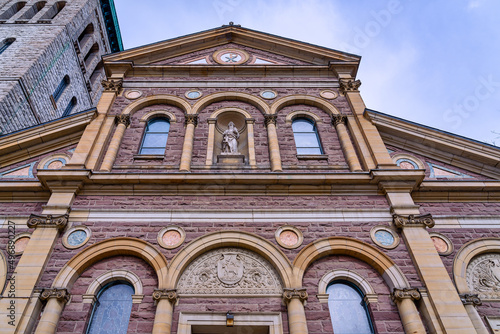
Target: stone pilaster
[339, 122]
[471, 301]
[122, 122]
[191, 121]
[165, 300]
[272, 137]
[410, 317]
[295, 300]
[55, 298]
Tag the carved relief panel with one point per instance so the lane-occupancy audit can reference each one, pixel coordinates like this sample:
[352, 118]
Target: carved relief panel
[230, 271]
[483, 276]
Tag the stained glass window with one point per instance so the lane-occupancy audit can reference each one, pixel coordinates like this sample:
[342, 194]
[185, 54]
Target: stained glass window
[306, 137]
[348, 311]
[111, 312]
[155, 137]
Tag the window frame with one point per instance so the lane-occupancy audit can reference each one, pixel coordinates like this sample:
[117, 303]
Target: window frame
[150, 121]
[362, 296]
[314, 130]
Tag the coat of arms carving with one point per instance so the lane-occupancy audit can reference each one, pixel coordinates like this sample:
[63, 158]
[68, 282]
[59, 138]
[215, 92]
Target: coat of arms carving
[230, 271]
[483, 276]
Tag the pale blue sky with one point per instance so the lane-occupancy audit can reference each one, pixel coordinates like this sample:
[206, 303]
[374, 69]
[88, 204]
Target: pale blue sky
[432, 62]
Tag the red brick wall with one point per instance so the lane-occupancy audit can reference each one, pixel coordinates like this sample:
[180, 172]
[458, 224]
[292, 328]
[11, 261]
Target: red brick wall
[460, 208]
[76, 315]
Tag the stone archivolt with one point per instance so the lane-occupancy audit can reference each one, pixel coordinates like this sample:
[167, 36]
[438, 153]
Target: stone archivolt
[229, 271]
[483, 276]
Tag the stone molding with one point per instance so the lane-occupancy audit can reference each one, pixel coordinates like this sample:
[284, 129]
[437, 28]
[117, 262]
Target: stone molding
[470, 299]
[349, 85]
[60, 294]
[270, 119]
[122, 119]
[300, 293]
[112, 85]
[339, 119]
[407, 293]
[413, 221]
[58, 222]
[190, 119]
[170, 294]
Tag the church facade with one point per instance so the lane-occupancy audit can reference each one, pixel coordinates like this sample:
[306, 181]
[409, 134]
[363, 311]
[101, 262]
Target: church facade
[233, 181]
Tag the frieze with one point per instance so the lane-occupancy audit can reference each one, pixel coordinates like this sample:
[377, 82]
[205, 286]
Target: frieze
[406, 293]
[112, 85]
[413, 221]
[60, 294]
[483, 276]
[349, 85]
[230, 271]
[58, 222]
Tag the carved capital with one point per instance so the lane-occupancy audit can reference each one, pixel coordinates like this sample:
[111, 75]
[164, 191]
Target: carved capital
[270, 119]
[170, 294]
[470, 299]
[349, 85]
[289, 294]
[406, 293]
[112, 85]
[58, 222]
[190, 119]
[413, 221]
[122, 119]
[61, 295]
[339, 119]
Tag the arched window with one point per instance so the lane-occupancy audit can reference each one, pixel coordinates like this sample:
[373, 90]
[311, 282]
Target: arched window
[348, 311]
[6, 43]
[53, 11]
[69, 108]
[33, 10]
[306, 136]
[12, 10]
[155, 137]
[111, 311]
[60, 88]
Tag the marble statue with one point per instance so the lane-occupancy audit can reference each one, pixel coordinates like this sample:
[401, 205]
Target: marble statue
[230, 140]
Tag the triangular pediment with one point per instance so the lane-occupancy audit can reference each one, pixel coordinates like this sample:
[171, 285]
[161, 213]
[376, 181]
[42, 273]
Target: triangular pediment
[262, 49]
[443, 155]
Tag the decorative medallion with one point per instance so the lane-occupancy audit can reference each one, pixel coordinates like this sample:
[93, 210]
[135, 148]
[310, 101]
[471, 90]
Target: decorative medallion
[193, 94]
[20, 242]
[171, 237]
[328, 94]
[230, 56]
[133, 94]
[289, 237]
[483, 276]
[268, 94]
[443, 244]
[229, 271]
[384, 237]
[406, 164]
[55, 163]
[76, 237]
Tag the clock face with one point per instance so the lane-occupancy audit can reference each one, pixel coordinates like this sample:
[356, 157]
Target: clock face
[230, 56]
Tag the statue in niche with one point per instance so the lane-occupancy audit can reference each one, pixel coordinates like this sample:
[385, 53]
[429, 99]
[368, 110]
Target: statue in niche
[230, 140]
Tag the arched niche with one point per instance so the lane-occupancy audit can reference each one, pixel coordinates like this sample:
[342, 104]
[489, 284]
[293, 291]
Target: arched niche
[218, 123]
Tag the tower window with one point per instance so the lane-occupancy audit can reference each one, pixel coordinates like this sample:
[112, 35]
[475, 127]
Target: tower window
[69, 108]
[306, 137]
[155, 137]
[12, 10]
[111, 311]
[348, 311]
[54, 10]
[33, 10]
[60, 88]
[6, 43]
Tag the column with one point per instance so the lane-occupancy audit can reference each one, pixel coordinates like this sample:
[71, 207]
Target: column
[210, 142]
[339, 122]
[122, 122]
[82, 156]
[410, 317]
[294, 300]
[251, 143]
[371, 136]
[165, 300]
[56, 299]
[272, 137]
[470, 302]
[187, 148]
[442, 293]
